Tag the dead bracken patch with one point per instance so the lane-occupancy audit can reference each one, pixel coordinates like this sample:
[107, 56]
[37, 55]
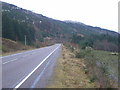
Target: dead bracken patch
[70, 72]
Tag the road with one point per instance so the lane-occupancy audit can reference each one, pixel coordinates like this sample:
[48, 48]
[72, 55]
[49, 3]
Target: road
[30, 69]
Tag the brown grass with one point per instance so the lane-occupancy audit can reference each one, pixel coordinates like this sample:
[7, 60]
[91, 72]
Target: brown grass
[70, 72]
[11, 47]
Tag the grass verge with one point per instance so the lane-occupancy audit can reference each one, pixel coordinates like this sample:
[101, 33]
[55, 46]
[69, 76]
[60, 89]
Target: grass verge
[70, 72]
[102, 67]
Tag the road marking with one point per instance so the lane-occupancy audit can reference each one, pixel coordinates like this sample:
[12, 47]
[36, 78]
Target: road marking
[39, 76]
[19, 53]
[10, 61]
[34, 50]
[17, 86]
[15, 59]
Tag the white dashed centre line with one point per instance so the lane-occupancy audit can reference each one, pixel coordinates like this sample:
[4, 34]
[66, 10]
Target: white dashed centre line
[10, 61]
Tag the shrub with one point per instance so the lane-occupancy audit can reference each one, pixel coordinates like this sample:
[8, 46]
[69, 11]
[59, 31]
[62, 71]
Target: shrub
[81, 54]
[4, 49]
[104, 69]
[93, 79]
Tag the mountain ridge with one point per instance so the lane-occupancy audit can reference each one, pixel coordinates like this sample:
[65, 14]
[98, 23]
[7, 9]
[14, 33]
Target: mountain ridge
[32, 12]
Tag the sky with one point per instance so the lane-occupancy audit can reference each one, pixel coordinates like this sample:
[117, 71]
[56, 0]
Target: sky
[100, 13]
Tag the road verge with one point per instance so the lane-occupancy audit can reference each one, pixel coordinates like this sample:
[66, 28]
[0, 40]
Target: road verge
[70, 72]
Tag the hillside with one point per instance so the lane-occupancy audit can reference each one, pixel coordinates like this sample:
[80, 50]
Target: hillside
[11, 47]
[18, 22]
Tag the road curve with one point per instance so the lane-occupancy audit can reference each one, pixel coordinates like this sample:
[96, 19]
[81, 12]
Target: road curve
[30, 69]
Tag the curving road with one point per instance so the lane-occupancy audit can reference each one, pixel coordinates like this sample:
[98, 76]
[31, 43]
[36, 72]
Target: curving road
[30, 69]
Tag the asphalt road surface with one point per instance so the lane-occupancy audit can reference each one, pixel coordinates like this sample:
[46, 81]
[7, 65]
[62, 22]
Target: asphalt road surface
[30, 69]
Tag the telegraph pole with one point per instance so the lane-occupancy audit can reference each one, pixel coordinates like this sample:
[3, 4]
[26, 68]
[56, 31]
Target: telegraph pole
[25, 40]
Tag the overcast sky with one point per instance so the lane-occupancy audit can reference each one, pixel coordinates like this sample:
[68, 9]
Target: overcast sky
[101, 13]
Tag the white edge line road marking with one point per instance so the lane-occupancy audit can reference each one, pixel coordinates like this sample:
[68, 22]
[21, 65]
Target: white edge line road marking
[21, 53]
[17, 86]
[9, 61]
[18, 53]
[14, 54]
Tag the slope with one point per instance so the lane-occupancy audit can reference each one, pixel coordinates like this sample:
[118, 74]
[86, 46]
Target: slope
[18, 22]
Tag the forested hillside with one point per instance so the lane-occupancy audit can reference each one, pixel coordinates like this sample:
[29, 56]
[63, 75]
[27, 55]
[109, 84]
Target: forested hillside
[18, 22]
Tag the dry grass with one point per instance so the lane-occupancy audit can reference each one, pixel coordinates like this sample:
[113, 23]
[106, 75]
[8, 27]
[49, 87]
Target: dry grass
[70, 72]
[8, 47]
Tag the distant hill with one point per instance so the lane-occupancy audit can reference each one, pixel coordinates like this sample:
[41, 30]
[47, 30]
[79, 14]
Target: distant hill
[18, 22]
